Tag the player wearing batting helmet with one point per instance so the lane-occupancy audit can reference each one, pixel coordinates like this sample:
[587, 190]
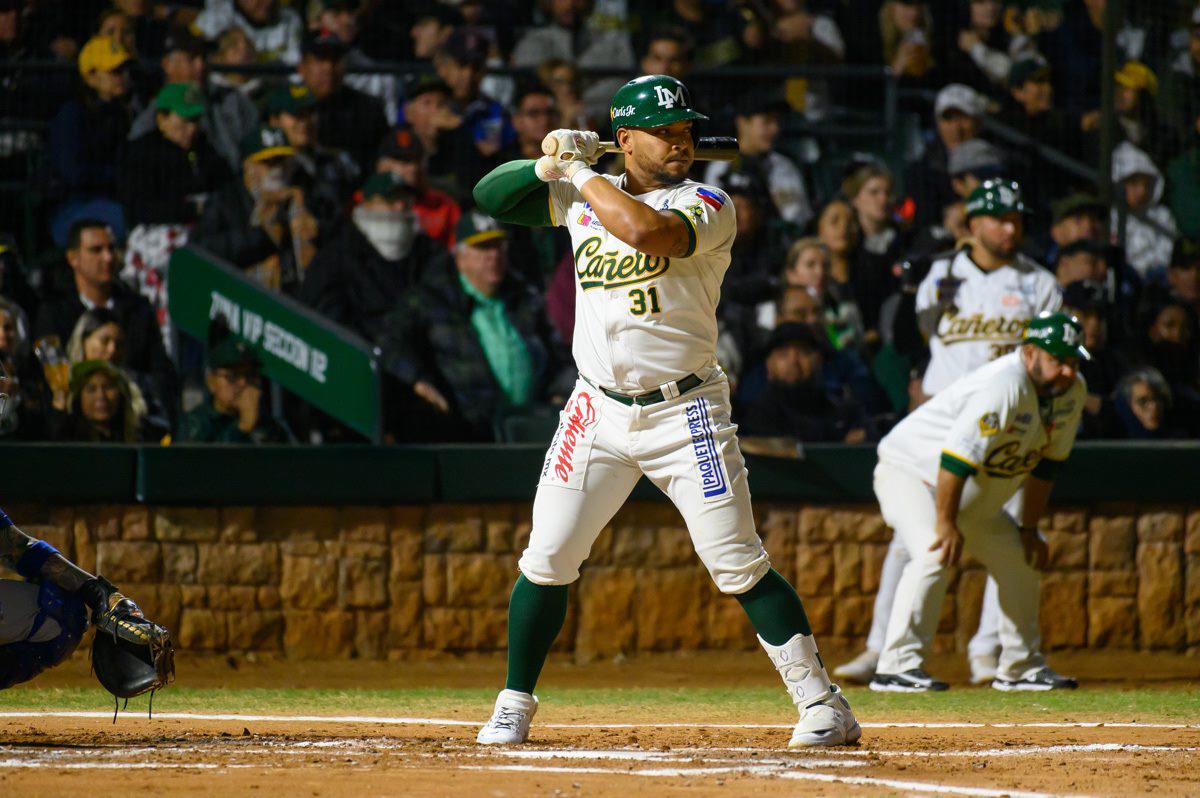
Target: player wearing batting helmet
[651, 250]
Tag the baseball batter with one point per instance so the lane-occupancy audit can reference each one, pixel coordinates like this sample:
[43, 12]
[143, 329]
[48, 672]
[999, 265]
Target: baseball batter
[943, 477]
[651, 249]
[973, 307]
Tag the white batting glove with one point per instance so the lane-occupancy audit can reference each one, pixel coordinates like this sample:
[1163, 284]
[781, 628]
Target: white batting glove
[547, 169]
[573, 145]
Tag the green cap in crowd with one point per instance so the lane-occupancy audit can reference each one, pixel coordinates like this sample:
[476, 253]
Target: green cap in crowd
[995, 198]
[1058, 333]
[293, 99]
[183, 99]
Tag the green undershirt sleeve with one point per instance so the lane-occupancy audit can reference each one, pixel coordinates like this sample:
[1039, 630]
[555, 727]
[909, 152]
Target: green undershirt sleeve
[957, 466]
[513, 193]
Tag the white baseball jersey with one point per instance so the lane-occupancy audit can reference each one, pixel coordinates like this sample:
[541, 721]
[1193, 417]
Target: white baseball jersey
[986, 315]
[990, 422]
[642, 321]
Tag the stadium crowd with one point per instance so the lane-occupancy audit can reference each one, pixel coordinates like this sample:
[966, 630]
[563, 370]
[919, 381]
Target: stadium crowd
[348, 187]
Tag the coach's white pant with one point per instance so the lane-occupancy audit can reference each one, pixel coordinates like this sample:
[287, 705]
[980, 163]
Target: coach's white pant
[907, 505]
[687, 446]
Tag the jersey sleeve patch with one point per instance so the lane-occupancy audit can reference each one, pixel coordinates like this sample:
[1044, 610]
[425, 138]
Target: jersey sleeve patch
[958, 464]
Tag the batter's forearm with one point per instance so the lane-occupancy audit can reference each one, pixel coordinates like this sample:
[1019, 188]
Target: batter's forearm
[512, 192]
[1037, 497]
[949, 495]
[658, 233]
[35, 558]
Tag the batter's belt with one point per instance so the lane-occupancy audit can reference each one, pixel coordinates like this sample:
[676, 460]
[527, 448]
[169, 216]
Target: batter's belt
[672, 390]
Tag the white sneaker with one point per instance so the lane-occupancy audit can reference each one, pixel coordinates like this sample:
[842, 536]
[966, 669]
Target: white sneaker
[983, 668]
[509, 724]
[860, 669]
[827, 722]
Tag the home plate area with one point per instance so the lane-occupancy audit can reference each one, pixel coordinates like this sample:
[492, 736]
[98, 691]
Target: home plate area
[183, 754]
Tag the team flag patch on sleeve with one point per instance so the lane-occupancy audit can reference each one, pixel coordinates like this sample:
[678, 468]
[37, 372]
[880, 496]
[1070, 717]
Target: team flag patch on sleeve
[711, 198]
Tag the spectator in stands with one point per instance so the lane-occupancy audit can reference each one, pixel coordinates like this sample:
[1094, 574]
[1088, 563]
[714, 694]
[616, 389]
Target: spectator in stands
[450, 154]
[401, 155]
[562, 79]
[1183, 278]
[1149, 225]
[362, 275]
[100, 409]
[567, 34]
[234, 47]
[1183, 177]
[470, 343]
[981, 52]
[971, 163]
[906, 29]
[1180, 100]
[118, 26]
[460, 64]
[758, 124]
[790, 32]
[232, 408]
[167, 175]
[795, 402]
[14, 284]
[958, 113]
[837, 229]
[260, 222]
[148, 24]
[87, 135]
[1134, 104]
[432, 26]
[340, 17]
[1168, 344]
[1088, 302]
[868, 187]
[1029, 109]
[327, 176]
[534, 115]
[753, 278]
[229, 115]
[91, 254]
[347, 119]
[714, 28]
[18, 377]
[1075, 48]
[276, 32]
[668, 51]
[98, 335]
[1074, 217]
[1144, 407]
[1082, 259]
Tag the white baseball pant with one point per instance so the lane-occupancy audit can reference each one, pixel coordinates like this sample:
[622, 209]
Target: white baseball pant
[688, 448]
[907, 504]
[18, 610]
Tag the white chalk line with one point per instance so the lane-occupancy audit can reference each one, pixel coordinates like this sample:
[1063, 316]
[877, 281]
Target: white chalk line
[413, 721]
[829, 778]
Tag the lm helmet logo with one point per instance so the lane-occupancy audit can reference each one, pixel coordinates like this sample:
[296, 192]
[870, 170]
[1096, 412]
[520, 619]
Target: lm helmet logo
[668, 98]
[1070, 335]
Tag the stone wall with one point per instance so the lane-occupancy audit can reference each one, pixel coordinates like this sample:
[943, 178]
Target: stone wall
[373, 583]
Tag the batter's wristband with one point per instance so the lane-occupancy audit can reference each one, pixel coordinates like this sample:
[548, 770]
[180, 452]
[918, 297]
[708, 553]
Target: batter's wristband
[582, 176]
[31, 562]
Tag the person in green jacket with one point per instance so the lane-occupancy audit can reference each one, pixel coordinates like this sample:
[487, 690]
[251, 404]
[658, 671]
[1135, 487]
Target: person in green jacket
[231, 412]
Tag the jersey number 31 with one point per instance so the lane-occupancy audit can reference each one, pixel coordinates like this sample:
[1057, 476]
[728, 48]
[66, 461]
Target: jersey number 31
[644, 301]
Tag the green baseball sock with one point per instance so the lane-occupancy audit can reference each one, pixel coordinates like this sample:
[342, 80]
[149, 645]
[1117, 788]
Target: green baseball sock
[775, 609]
[535, 617]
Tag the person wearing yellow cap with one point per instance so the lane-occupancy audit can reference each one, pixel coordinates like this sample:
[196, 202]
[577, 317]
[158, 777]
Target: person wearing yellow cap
[166, 174]
[87, 133]
[1134, 100]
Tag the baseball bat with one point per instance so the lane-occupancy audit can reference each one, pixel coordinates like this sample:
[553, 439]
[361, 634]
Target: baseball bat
[708, 148]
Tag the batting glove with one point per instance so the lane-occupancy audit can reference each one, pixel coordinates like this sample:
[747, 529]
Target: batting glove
[573, 145]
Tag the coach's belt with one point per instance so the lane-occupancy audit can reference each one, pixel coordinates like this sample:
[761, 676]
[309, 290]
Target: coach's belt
[668, 391]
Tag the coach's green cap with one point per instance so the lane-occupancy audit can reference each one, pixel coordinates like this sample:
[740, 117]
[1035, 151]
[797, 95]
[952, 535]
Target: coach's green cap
[651, 101]
[183, 99]
[995, 198]
[1058, 333]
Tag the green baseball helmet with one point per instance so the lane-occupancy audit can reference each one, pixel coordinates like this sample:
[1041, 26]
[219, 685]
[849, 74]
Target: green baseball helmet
[1058, 333]
[995, 198]
[651, 101]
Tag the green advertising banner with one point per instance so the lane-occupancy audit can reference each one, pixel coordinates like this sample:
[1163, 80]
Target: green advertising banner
[321, 362]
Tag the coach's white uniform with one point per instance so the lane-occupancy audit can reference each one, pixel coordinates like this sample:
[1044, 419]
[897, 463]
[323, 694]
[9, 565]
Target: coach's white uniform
[984, 315]
[643, 323]
[992, 423]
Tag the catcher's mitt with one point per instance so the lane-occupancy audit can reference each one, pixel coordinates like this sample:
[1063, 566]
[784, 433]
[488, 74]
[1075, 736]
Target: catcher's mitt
[130, 654]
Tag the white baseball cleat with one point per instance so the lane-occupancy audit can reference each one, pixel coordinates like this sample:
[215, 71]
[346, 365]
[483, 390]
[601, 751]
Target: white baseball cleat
[827, 722]
[509, 724]
[983, 668]
[860, 669]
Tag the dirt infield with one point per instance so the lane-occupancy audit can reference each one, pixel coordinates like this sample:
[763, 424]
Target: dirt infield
[710, 747]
